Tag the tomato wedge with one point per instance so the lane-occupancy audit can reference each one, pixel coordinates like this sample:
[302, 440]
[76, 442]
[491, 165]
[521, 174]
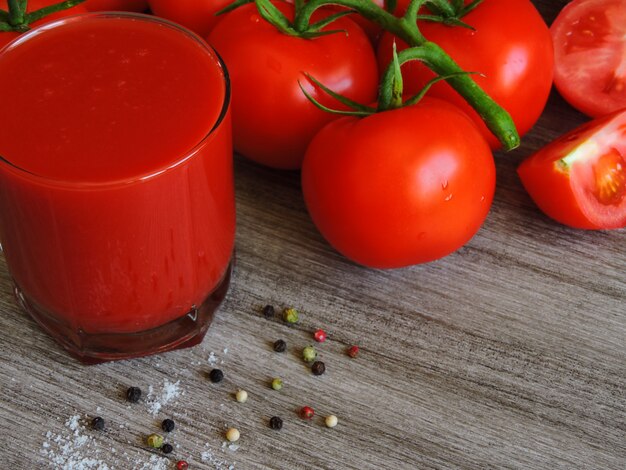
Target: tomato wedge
[590, 55]
[580, 179]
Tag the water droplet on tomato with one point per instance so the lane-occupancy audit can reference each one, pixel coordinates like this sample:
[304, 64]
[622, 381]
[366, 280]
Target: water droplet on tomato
[448, 198]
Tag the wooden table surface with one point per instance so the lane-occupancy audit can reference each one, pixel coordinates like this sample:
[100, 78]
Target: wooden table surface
[510, 353]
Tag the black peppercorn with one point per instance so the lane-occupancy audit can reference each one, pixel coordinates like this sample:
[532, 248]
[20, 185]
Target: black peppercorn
[167, 448]
[168, 425]
[276, 422]
[318, 368]
[133, 394]
[97, 423]
[216, 376]
[280, 346]
[268, 311]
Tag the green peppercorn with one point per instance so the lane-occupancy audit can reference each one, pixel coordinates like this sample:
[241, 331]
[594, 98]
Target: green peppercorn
[155, 441]
[290, 315]
[309, 354]
[280, 345]
[277, 384]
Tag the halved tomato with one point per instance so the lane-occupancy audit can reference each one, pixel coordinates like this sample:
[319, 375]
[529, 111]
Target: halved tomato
[580, 179]
[590, 55]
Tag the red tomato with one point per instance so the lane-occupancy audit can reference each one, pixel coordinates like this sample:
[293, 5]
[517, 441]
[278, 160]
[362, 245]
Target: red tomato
[117, 5]
[580, 179]
[197, 15]
[273, 122]
[511, 47]
[590, 55]
[33, 5]
[400, 187]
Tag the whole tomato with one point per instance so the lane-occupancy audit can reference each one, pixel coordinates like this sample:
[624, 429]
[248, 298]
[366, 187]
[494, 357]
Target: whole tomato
[400, 187]
[117, 5]
[273, 121]
[580, 178]
[197, 15]
[511, 49]
[33, 5]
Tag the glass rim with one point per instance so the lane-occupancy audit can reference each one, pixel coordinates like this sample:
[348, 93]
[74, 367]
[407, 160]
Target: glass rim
[140, 177]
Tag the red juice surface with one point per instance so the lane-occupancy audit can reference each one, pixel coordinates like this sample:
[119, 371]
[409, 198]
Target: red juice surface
[116, 194]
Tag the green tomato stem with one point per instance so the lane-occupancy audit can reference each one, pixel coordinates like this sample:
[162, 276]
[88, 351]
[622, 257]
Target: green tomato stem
[17, 10]
[45, 11]
[433, 56]
[16, 18]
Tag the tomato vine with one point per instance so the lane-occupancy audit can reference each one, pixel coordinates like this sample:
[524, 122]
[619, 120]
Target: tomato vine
[18, 20]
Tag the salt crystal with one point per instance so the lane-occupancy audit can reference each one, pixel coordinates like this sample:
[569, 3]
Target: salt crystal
[156, 401]
[212, 360]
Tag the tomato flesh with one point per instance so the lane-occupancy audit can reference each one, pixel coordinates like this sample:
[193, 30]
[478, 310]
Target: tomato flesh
[590, 55]
[580, 179]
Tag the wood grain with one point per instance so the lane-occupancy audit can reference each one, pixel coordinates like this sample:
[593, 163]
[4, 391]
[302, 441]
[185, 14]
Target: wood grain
[510, 353]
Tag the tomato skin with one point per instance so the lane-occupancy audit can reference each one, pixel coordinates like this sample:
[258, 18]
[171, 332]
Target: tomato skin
[590, 68]
[117, 5]
[33, 5]
[588, 191]
[273, 121]
[401, 187]
[511, 46]
[196, 15]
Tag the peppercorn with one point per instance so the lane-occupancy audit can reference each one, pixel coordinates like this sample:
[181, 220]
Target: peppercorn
[318, 368]
[133, 394]
[241, 396]
[306, 412]
[309, 354]
[167, 448]
[277, 384]
[155, 441]
[182, 465]
[276, 423]
[168, 425]
[319, 336]
[280, 346]
[331, 421]
[98, 423]
[353, 351]
[268, 311]
[232, 435]
[216, 376]
[290, 315]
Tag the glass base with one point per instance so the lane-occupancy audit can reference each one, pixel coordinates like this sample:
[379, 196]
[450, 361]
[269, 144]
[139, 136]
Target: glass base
[184, 332]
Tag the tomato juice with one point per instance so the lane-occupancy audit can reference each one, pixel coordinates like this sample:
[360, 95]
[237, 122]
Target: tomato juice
[117, 215]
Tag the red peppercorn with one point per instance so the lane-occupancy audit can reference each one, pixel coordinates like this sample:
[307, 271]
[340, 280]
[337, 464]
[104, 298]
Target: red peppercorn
[320, 336]
[182, 465]
[306, 412]
[353, 351]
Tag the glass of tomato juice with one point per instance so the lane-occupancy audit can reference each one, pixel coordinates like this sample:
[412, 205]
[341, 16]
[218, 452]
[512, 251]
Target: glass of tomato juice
[117, 212]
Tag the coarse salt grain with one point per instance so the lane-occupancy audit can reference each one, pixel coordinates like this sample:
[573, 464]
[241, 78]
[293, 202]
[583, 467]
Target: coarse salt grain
[217, 463]
[156, 400]
[74, 450]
